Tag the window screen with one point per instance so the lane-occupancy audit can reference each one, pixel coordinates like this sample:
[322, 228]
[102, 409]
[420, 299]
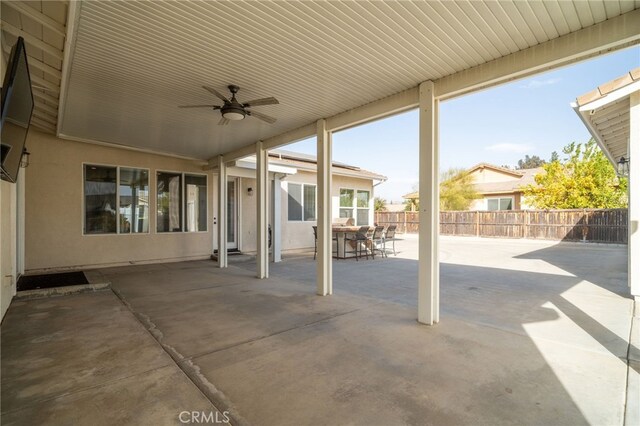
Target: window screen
[100, 199]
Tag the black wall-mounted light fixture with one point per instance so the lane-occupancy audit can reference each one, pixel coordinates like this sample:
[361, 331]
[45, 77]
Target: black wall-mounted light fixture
[24, 161]
[250, 192]
[623, 166]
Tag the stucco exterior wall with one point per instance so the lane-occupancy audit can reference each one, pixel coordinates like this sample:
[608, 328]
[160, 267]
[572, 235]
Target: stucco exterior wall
[54, 209]
[295, 234]
[8, 238]
[481, 203]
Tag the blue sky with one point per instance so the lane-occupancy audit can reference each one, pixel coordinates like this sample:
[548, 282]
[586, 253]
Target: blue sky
[499, 125]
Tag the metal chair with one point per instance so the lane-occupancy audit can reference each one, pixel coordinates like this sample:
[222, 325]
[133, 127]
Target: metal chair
[390, 235]
[315, 243]
[377, 241]
[359, 239]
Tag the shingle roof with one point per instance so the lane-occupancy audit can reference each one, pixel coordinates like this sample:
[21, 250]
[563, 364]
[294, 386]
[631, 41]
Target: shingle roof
[528, 177]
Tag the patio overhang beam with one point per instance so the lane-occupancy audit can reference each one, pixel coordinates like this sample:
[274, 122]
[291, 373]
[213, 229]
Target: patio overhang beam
[613, 34]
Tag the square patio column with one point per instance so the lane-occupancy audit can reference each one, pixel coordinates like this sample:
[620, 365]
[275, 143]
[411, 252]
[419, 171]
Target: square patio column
[276, 209]
[262, 210]
[634, 198]
[324, 279]
[222, 212]
[428, 264]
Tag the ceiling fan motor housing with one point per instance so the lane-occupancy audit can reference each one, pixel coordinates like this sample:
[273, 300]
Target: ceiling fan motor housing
[233, 110]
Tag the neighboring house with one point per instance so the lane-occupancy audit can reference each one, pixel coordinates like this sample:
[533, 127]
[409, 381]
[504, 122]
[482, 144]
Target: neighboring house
[500, 188]
[394, 207]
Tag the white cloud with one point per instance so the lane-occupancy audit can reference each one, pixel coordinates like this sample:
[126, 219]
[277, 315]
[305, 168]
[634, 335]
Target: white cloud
[510, 147]
[534, 84]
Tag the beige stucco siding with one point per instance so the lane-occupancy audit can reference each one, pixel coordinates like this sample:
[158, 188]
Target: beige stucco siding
[295, 234]
[8, 222]
[54, 209]
[481, 203]
[298, 234]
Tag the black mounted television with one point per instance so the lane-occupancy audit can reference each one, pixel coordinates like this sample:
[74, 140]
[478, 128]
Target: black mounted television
[17, 106]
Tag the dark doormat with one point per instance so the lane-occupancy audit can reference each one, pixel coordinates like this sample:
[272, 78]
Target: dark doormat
[32, 282]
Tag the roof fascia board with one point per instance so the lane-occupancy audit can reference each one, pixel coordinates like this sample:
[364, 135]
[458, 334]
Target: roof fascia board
[584, 116]
[612, 97]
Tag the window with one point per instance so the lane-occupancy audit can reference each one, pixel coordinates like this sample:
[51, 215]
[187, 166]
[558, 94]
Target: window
[100, 199]
[301, 202]
[500, 203]
[196, 203]
[363, 208]
[309, 202]
[357, 200]
[116, 200]
[134, 201]
[346, 203]
[169, 202]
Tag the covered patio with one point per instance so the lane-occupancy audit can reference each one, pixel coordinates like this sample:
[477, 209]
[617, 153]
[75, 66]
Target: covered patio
[531, 337]
[532, 333]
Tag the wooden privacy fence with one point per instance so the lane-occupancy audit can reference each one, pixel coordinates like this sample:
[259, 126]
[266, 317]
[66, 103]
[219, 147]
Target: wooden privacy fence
[598, 225]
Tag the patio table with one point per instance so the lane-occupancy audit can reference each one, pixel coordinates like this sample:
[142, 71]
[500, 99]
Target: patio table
[341, 231]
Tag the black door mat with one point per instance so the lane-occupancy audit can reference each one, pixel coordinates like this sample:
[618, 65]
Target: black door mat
[32, 282]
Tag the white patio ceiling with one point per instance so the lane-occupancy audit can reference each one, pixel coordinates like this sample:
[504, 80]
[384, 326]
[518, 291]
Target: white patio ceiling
[134, 62]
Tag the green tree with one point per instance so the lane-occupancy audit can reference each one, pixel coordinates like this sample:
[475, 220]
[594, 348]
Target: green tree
[457, 191]
[411, 205]
[530, 162]
[584, 179]
[379, 204]
[554, 157]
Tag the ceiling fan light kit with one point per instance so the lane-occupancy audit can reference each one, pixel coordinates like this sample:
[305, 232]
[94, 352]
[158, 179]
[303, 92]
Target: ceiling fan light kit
[232, 110]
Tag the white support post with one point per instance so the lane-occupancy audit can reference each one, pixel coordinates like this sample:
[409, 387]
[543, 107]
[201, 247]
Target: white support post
[262, 211]
[634, 198]
[428, 265]
[324, 279]
[276, 234]
[222, 212]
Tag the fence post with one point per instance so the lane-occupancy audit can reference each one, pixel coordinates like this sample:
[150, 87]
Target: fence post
[405, 222]
[525, 228]
[477, 223]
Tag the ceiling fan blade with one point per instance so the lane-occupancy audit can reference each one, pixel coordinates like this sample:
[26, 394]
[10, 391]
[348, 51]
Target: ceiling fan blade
[263, 101]
[262, 117]
[215, 92]
[199, 106]
[223, 122]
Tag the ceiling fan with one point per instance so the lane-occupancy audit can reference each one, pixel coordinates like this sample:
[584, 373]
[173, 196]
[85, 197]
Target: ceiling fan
[232, 110]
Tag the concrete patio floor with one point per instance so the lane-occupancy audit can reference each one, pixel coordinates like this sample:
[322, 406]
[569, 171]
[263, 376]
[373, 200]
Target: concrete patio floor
[530, 333]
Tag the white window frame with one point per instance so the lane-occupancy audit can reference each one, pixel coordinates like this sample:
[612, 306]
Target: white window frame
[183, 221]
[513, 203]
[368, 208]
[354, 205]
[117, 208]
[302, 185]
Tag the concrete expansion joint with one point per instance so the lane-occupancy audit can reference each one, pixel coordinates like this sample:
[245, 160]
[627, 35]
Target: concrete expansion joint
[217, 398]
[631, 403]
